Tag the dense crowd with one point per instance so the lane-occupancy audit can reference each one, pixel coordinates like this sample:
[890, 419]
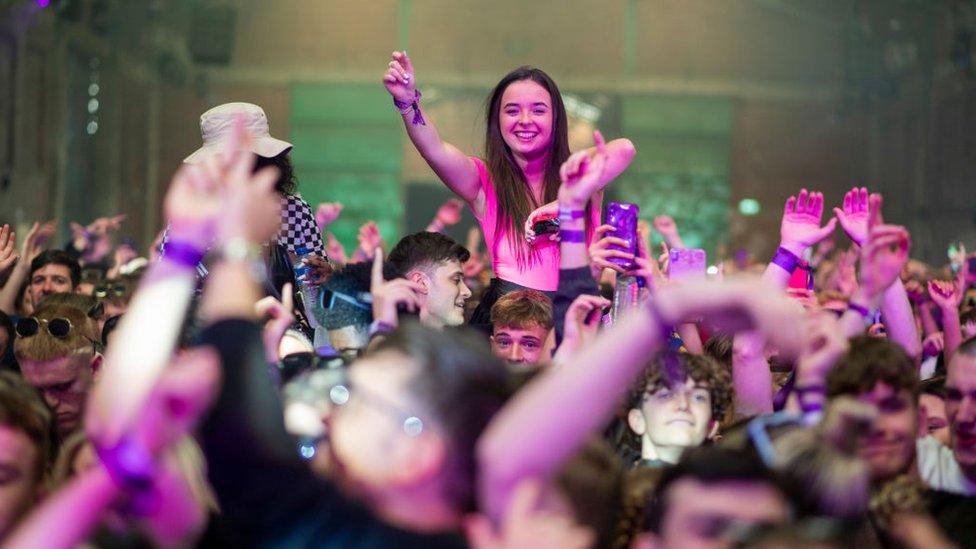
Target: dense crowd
[246, 382]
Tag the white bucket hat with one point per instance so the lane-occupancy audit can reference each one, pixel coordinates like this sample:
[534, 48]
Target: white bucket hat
[215, 125]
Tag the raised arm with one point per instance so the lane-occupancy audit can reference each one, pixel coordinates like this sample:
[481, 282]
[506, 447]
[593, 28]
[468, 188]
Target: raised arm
[947, 295]
[860, 210]
[799, 230]
[451, 165]
[32, 246]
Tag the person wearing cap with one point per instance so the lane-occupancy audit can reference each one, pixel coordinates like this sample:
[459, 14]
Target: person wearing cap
[299, 233]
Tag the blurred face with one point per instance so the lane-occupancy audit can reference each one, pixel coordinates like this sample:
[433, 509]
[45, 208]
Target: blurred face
[699, 514]
[50, 279]
[672, 419]
[933, 410]
[373, 438]
[19, 479]
[64, 383]
[446, 294]
[961, 411]
[525, 119]
[889, 449]
[519, 346]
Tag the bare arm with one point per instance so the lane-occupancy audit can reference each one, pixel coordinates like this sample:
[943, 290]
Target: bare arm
[451, 165]
[899, 320]
[947, 296]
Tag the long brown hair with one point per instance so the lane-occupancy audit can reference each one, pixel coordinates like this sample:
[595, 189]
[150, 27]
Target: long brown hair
[515, 201]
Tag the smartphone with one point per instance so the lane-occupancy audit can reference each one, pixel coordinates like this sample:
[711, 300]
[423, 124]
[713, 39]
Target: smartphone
[687, 264]
[546, 226]
[623, 217]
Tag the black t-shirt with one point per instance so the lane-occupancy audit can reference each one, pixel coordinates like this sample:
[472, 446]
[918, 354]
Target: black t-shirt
[268, 496]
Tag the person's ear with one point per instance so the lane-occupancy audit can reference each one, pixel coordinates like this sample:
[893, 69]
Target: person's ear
[635, 420]
[420, 460]
[96, 364]
[420, 278]
[923, 420]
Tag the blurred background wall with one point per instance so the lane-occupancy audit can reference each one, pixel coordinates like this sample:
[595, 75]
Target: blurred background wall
[732, 104]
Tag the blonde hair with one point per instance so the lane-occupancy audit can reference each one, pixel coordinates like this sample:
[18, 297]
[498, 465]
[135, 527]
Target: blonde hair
[43, 346]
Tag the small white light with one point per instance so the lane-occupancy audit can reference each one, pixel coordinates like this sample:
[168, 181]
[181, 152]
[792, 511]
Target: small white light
[92, 105]
[307, 451]
[92, 127]
[749, 206]
[712, 270]
[93, 89]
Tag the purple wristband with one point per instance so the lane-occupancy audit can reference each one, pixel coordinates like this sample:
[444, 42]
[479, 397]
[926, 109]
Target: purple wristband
[860, 309]
[576, 237]
[402, 106]
[566, 214]
[130, 465]
[786, 259]
[182, 253]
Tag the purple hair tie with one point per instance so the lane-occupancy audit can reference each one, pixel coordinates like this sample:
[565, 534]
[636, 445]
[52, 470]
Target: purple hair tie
[405, 107]
[786, 259]
[567, 235]
[182, 253]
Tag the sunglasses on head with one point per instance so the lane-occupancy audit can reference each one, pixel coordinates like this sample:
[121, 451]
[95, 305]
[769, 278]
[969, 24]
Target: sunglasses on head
[57, 327]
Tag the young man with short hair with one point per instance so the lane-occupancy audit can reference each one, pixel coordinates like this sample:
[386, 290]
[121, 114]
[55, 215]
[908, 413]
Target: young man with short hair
[58, 352]
[880, 372]
[521, 328]
[53, 272]
[677, 404]
[426, 276]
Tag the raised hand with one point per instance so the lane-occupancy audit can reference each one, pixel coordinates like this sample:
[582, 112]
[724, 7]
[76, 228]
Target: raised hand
[369, 241]
[222, 198]
[280, 315]
[884, 254]
[601, 251]
[582, 174]
[326, 213]
[387, 295]
[854, 215]
[800, 227]
[946, 295]
[335, 250]
[319, 270]
[581, 324]
[8, 248]
[546, 211]
[823, 345]
[450, 212]
[668, 229]
[38, 235]
[399, 77]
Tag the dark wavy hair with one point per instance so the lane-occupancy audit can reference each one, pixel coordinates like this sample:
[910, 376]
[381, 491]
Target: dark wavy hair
[287, 183]
[515, 202]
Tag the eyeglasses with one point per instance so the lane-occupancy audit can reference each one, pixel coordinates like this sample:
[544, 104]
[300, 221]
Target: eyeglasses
[110, 290]
[57, 327]
[362, 300]
[342, 392]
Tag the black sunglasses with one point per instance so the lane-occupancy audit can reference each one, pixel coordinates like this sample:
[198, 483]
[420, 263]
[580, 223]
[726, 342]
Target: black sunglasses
[57, 327]
[110, 290]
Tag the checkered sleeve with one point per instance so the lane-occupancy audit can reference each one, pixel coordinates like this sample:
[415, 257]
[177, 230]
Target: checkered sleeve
[298, 227]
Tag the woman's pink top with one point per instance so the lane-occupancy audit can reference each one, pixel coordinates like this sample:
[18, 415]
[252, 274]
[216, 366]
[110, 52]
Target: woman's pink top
[541, 270]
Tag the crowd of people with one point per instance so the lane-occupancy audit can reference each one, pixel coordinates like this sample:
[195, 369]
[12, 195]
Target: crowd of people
[246, 382]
